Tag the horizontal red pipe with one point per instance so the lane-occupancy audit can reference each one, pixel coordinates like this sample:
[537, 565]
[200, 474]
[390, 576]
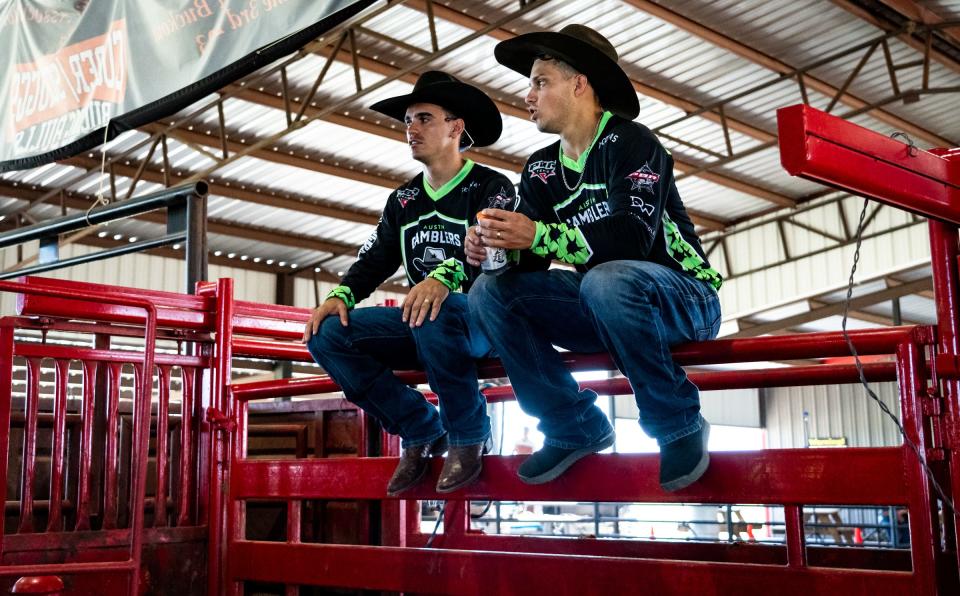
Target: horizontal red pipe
[718, 351]
[853, 476]
[483, 573]
[35, 350]
[66, 568]
[706, 381]
[690, 550]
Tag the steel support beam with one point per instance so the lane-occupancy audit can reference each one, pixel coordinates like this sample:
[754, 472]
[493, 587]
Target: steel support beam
[778, 66]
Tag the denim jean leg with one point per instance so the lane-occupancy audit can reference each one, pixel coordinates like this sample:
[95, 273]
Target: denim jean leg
[641, 309]
[444, 349]
[524, 315]
[360, 357]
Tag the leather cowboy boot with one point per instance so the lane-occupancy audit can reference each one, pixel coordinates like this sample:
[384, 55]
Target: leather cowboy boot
[413, 465]
[462, 466]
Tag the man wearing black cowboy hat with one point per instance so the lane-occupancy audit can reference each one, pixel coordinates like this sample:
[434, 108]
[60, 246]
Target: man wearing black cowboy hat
[606, 203]
[422, 228]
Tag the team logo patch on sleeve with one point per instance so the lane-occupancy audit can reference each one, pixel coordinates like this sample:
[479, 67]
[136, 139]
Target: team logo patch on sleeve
[501, 200]
[543, 169]
[643, 179]
[405, 195]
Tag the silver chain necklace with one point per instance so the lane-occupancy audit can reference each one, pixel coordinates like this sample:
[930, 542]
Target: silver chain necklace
[563, 174]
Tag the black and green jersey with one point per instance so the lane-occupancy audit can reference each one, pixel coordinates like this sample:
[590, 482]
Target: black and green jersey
[618, 201]
[424, 229]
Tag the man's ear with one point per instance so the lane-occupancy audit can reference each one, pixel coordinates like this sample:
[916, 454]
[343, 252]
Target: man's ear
[458, 126]
[580, 85]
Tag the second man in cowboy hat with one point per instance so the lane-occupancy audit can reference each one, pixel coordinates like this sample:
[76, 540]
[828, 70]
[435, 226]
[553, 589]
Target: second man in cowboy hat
[606, 203]
[422, 229]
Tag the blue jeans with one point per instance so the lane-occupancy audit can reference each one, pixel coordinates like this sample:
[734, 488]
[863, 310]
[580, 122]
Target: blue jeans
[635, 310]
[361, 357]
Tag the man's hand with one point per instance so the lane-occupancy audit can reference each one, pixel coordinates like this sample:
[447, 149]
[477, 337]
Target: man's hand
[424, 298]
[506, 229]
[329, 307]
[473, 248]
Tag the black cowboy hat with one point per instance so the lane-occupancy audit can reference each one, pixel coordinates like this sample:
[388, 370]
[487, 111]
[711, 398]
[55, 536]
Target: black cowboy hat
[480, 115]
[585, 50]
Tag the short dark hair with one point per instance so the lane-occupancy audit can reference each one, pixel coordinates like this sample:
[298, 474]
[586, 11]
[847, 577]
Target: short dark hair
[565, 67]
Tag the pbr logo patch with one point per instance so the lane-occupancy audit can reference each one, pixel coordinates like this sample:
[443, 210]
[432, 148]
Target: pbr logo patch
[643, 179]
[543, 169]
[501, 200]
[405, 195]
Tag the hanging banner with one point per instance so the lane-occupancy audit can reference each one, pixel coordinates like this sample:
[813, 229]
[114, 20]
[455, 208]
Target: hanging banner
[70, 68]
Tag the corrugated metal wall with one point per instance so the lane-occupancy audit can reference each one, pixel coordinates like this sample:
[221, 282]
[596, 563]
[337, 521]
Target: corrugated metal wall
[834, 411]
[761, 246]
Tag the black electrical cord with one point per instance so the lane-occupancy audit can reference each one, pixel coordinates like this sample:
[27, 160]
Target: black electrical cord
[947, 502]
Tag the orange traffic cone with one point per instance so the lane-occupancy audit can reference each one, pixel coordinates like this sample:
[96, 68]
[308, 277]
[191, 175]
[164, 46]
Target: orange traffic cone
[750, 533]
[653, 535]
[857, 536]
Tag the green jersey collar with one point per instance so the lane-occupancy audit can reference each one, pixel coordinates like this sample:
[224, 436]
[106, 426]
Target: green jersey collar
[441, 192]
[577, 166]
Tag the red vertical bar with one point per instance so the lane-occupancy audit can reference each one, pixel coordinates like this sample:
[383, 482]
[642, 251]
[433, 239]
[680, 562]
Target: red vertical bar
[946, 284]
[110, 489]
[796, 545]
[294, 509]
[6, 399]
[141, 423]
[237, 507]
[138, 377]
[924, 537]
[203, 384]
[220, 451]
[187, 379]
[86, 445]
[31, 404]
[55, 518]
[455, 519]
[163, 421]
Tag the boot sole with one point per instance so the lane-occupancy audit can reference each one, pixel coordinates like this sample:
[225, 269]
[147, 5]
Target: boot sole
[565, 463]
[695, 474]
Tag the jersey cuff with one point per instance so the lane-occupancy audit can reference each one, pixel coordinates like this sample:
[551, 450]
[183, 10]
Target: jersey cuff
[345, 294]
[450, 273]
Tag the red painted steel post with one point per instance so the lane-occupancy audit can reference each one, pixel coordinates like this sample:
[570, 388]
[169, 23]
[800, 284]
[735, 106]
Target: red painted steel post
[59, 436]
[161, 450]
[946, 285]
[84, 482]
[6, 402]
[796, 539]
[220, 452]
[187, 378]
[138, 485]
[110, 484]
[924, 537]
[31, 406]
